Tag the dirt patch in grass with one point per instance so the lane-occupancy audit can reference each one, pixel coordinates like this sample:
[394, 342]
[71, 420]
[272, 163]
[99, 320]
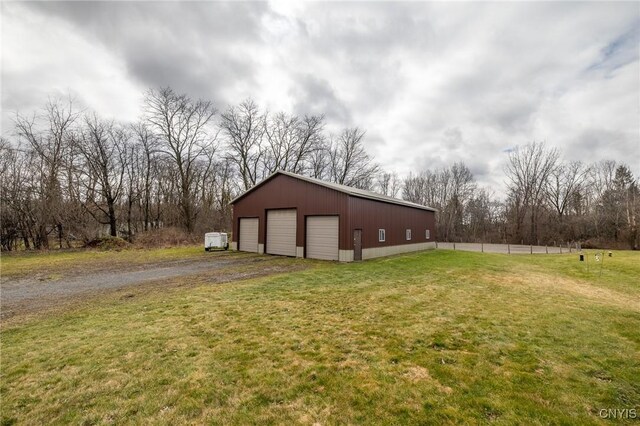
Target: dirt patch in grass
[108, 243]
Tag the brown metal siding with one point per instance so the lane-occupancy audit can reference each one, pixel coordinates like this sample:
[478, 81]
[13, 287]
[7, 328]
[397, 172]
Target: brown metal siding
[286, 192]
[370, 215]
[283, 192]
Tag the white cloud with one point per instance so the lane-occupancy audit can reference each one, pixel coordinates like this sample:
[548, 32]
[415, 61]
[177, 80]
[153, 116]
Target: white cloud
[44, 56]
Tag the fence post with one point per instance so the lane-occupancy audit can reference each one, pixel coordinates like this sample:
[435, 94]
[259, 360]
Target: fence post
[546, 249]
[454, 245]
[436, 244]
[560, 248]
[569, 245]
[508, 248]
[531, 248]
[482, 247]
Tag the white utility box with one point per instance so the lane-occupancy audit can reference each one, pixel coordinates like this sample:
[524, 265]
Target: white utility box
[215, 240]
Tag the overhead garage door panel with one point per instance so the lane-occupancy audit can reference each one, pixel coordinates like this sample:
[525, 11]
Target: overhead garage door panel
[249, 235]
[281, 232]
[322, 237]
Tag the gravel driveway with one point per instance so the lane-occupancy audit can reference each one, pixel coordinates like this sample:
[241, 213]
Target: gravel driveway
[27, 295]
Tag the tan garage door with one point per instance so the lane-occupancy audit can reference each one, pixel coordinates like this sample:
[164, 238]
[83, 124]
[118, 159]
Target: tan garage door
[249, 235]
[322, 237]
[281, 232]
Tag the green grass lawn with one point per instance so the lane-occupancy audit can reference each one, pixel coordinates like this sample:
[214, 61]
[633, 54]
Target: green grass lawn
[430, 338]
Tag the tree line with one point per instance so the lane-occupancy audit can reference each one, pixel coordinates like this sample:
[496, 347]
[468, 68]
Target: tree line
[69, 175]
[549, 201]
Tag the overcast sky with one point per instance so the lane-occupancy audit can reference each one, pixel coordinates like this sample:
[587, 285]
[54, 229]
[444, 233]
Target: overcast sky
[432, 83]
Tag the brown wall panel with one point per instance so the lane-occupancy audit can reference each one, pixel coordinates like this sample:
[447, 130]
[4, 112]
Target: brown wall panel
[286, 192]
[283, 192]
[370, 215]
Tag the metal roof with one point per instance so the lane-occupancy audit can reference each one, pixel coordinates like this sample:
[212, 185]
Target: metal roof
[354, 192]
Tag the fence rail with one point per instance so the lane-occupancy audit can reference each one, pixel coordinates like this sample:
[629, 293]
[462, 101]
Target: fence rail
[507, 248]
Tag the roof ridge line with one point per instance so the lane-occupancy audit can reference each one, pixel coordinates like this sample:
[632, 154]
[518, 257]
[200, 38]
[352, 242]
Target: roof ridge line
[355, 192]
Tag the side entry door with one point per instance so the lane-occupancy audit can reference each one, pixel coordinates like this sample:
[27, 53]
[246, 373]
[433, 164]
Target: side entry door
[357, 244]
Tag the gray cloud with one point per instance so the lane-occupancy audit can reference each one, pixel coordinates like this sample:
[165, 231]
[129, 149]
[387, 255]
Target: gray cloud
[316, 96]
[432, 83]
[191, 46]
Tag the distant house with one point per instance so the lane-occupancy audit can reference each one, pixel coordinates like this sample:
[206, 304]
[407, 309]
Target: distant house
[292, 215]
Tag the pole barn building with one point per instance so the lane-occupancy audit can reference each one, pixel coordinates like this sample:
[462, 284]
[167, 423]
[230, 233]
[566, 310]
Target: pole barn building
[292, 215]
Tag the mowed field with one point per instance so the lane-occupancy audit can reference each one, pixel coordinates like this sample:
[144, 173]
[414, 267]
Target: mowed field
[433, 338]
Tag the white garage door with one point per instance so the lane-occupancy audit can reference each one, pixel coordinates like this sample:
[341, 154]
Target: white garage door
[249, 235]
[281, 232]
[322, 237]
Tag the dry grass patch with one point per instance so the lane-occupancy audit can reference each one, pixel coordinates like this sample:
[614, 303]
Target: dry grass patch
[550, 284]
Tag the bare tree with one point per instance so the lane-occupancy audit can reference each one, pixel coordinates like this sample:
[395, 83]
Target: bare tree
[60, 174]
[449, 190]
[414, 189]
[428, 188]
[77, 223]
[349, 162]
[135, 168]
[601, 176]
[244, 128]
[183, 126]
[565, 181]
[619, 207]
[12, 200]
[528, 170]
[458, 186]
[320, 162]
[49, 141]
[600, 183]
[291, 142]
[483, 218]
[148, 143]
[103, 146]
[388, 183]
